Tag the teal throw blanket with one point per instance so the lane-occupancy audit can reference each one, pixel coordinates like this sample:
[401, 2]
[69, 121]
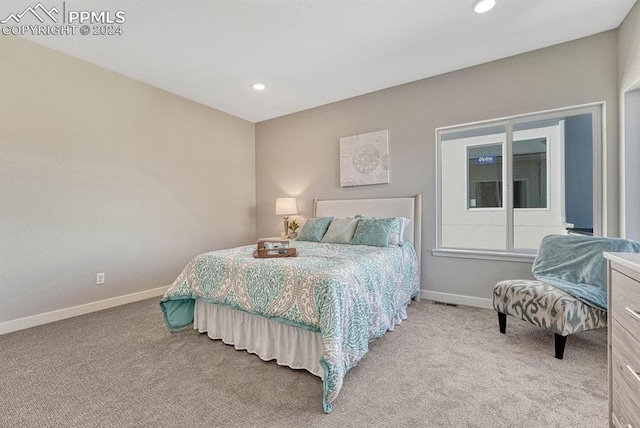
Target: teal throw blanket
[575, 264]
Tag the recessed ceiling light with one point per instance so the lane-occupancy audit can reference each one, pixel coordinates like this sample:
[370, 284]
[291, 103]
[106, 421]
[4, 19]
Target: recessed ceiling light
[482, 6]
[258, 86]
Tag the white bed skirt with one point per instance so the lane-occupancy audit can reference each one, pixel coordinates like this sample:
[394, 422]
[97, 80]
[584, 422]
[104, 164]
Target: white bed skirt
[290, 346]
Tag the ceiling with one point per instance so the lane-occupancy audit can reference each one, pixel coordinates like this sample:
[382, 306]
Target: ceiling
[313, 52]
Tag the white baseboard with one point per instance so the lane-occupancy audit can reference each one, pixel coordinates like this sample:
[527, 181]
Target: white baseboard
[457, 299]
[74, 311]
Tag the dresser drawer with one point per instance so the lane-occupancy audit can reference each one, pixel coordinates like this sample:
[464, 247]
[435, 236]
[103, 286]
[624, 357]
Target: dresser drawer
[626, 416]
[619, 417]
[626, 376]
[625, 302]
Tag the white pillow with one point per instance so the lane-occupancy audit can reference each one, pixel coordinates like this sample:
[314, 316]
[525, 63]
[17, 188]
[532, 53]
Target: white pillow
[396, 238]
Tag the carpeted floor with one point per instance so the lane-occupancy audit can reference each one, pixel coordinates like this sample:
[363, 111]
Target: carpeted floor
[443, 367]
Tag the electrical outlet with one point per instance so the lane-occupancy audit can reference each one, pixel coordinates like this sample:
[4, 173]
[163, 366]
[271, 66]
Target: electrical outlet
[99, 278]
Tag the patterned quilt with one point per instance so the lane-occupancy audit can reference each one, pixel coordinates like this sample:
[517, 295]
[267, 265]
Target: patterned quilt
[348, 293]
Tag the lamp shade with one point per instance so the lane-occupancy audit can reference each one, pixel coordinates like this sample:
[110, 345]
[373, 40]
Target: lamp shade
[286, 206]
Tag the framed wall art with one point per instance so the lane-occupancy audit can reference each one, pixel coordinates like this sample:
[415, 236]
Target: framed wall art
[364, 159]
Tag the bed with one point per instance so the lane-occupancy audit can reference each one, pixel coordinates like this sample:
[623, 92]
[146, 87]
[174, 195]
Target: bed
[317, 311]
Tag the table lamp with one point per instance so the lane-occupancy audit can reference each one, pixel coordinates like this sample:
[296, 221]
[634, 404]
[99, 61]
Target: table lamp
[286, 207]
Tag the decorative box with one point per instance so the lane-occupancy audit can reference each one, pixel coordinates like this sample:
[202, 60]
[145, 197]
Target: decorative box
[274, 247]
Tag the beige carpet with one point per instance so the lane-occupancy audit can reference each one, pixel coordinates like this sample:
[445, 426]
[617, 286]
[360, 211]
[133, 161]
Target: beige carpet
[443, 367]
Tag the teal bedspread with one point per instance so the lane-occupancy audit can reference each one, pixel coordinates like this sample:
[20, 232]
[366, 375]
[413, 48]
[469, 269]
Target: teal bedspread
[348, 293]
[575, 264]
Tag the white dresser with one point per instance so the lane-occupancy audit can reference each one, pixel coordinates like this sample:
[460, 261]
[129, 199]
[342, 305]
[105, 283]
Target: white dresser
[624, 339]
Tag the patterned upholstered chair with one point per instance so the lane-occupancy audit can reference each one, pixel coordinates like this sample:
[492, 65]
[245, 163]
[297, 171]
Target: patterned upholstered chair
[569, 293]
[546, 306]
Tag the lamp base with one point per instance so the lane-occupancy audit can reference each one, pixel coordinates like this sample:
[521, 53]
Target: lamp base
[286, 228]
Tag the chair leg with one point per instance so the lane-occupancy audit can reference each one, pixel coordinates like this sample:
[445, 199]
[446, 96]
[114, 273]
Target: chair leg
[560, 342]
[502, 321]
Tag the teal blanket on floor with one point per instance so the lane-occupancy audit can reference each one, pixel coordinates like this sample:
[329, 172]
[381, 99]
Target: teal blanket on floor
[575, 264]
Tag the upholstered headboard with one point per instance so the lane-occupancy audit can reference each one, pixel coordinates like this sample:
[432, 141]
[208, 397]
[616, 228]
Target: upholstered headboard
[409, 207]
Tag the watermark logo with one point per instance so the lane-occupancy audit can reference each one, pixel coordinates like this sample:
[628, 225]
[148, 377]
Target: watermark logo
[33, 11]
[51, 21]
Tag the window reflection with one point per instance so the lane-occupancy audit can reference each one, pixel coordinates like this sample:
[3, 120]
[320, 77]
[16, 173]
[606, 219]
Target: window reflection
[485, 176]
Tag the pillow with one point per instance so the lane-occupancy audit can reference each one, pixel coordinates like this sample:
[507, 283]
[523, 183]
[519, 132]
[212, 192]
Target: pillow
[396, 238]
[340, 230]
[314, 229]
[374, 232]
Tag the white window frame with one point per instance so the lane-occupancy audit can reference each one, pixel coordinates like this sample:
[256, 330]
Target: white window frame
[597, 111]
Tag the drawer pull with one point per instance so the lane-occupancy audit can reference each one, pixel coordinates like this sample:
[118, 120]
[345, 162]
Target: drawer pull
[634, 373]
[633, 313]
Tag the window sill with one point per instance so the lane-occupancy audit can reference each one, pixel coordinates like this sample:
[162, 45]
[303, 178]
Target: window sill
[503, 256]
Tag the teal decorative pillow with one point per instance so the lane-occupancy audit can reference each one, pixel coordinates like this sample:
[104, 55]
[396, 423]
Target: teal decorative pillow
[374, 231]
[314, 229]
[340, 230]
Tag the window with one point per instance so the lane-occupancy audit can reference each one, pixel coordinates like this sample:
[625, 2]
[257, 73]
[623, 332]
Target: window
[550, 163]
[530, 173]
[484, 188]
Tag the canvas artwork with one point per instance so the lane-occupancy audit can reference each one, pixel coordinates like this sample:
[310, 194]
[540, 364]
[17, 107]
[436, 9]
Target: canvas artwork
[364, 159]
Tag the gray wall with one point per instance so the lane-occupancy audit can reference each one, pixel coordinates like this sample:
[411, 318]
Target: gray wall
[298, 154]
[629, 49]
[628, 77]
[101, 173]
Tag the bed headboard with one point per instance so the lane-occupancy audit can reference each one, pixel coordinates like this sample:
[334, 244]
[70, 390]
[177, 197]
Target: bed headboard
[410, 207]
